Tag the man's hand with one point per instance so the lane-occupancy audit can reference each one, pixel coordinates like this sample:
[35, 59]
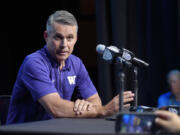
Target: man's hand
[81, 106]
[168, 120]
[128, 96]
[113, 106]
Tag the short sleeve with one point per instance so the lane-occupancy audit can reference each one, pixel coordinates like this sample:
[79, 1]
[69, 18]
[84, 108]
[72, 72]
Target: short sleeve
[162, 101]
[36, 78]
[84, 83]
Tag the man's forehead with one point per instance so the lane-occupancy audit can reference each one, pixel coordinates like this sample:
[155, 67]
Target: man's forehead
[56, 24]
[62, 34]
[65, 29]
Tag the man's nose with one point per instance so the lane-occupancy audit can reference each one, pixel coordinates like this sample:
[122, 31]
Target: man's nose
[64, 42]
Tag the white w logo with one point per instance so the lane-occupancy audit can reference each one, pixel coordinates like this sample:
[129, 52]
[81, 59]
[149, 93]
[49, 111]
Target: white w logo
[71, 79]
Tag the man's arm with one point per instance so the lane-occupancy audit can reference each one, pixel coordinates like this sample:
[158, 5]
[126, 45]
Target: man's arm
[128, 96]
[95, 101]
[81, 106]
[113, 106]
[91, 107]
[59, 107]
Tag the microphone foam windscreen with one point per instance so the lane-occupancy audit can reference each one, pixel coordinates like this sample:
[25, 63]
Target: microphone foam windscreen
[100, 48]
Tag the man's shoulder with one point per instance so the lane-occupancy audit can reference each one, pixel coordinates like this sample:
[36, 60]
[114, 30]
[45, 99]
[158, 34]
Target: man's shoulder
[35, 55]
[75, 63]
[75, 60]
[35, 59]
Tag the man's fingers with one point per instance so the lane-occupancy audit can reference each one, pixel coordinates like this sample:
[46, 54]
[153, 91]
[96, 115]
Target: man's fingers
[89, 107]
[127, 92]
[126, 105]
[84, 107]
[126, 100]
[76, 104]
[128, 96]
[80, 106]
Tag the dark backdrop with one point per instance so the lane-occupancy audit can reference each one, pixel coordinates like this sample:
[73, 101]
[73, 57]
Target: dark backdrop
[22, 27]
[149, 28]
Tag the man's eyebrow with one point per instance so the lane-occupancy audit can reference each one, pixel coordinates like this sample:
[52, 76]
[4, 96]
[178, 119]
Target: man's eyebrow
[58, 34]
[70, 35]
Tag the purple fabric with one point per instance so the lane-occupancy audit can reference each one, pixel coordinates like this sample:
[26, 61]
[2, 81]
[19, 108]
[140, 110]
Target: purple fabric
[38, 76]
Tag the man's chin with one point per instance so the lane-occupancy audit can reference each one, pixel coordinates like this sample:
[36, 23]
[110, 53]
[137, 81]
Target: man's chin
[62, 58]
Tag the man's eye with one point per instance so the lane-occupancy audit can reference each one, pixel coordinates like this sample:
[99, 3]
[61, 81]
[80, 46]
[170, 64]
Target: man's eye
[58, 37]
[69, 38]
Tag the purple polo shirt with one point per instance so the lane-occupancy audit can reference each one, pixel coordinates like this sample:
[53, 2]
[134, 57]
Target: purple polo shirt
[38, 76]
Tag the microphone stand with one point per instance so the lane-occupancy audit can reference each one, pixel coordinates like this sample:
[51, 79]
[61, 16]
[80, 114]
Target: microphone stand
[135, 107]
[135, 85]
[121, 78]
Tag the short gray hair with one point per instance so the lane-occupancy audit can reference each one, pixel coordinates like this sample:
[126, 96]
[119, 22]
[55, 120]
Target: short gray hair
[175, 72]
[62, 17]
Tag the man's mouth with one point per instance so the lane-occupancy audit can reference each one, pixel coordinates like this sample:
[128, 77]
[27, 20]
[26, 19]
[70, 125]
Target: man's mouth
[62, 52]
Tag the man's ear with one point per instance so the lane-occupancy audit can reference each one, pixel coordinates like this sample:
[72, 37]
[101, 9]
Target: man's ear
[76, 39]
[45, 36]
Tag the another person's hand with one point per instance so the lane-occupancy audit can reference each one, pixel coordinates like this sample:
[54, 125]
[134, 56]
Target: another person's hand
[82, 105]
[168, 120]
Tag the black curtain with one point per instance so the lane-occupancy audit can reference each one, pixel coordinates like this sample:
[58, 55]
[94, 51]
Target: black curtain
[159, 45]
[103, 37]
[148, 28]
[22, 27]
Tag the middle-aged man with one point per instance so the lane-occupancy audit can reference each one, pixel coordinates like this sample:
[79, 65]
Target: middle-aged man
[172, 97]
[47, 79]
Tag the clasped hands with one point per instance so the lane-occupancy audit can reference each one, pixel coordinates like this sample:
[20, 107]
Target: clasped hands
[110, 108]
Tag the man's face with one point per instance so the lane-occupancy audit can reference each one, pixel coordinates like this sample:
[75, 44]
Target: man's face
[60, 42]
[174, 83]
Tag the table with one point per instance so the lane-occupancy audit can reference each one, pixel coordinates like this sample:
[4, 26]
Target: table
[63, 126]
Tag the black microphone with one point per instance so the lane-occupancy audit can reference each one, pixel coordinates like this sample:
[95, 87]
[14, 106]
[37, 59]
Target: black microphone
[111, 52]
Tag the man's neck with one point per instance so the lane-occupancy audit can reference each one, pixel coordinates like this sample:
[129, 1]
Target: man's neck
[61, 65]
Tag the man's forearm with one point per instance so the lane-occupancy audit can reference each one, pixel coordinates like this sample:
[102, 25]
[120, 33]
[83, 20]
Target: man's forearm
[59, 107]
[97, 110]
[95, 100]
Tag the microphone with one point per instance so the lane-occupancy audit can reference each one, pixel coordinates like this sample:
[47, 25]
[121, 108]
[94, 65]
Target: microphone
[111, 52]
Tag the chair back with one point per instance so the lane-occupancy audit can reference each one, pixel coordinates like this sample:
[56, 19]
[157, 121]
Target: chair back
[4, 105]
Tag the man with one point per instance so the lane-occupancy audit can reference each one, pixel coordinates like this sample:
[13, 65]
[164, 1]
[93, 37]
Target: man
[48, 77]
[172, 97]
